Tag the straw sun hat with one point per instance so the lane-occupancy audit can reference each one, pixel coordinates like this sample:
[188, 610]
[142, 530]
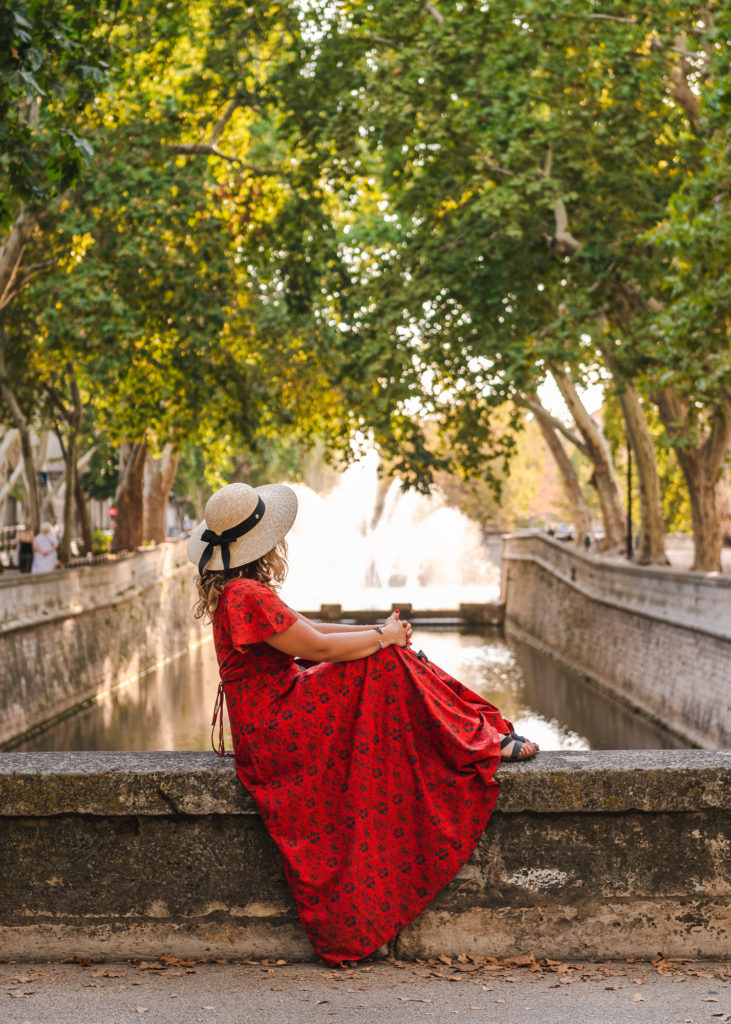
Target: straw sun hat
[241, 524]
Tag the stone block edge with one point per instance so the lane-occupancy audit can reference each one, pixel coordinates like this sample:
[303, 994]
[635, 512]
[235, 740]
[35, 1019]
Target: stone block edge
[190, 783]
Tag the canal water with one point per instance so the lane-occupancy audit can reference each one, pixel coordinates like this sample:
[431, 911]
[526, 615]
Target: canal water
[170, 707]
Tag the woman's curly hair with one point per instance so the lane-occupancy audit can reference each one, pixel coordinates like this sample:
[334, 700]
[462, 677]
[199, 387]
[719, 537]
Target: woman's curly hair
[270, 569]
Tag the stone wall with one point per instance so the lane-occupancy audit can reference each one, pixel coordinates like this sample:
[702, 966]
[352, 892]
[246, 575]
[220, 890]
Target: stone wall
[658, 638]
[588, 854]
[71, 634]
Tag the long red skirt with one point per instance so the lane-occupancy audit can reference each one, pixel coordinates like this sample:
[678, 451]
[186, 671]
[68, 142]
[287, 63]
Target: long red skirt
[374, 777]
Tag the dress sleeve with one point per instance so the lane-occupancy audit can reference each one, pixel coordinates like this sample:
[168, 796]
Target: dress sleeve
[255, 613]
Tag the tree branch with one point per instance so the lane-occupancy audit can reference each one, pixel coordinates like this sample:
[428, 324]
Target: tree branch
[21, 277]
[55, 396]
[11, 253]
[599, 17]
[562, 242]
[436, 14]
[715, 446]
[538, 410]
[207, 149]
[682, 92]
[224, 119]
[7, 443]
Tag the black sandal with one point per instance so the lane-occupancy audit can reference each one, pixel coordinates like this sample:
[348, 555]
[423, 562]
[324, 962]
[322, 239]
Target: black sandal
[522, 739]
[519, 742]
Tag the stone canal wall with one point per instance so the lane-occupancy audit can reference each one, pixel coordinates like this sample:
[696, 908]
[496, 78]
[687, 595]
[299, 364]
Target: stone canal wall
[71, 634]
[588, 854]
[660, 639]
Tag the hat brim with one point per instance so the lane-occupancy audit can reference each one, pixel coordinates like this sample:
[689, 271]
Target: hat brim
[280, 513]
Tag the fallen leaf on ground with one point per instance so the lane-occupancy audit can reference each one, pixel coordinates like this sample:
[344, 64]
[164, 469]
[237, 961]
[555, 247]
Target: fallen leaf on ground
[709, 999]
[141, 1009]
[175, 961]
[445, 960]
[637, 998]
[20, 995]
[411, 999]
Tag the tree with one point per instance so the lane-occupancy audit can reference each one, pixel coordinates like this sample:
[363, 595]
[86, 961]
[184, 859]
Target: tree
[502, 140]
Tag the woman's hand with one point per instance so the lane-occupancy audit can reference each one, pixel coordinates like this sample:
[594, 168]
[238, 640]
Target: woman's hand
[394, 617]
[396, 632]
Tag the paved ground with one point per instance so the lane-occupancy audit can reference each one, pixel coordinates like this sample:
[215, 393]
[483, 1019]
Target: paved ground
[679, 550]
[185, 992]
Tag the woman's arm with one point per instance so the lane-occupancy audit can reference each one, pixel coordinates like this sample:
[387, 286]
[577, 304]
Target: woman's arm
[341, 627]
[303, 640]
[331, 627]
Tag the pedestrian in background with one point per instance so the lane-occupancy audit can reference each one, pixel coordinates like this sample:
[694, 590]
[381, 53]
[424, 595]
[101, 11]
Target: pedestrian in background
[44, 550]
[23, 540]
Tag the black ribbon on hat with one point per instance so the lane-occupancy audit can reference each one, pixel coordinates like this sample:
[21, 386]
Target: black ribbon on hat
[222, 540]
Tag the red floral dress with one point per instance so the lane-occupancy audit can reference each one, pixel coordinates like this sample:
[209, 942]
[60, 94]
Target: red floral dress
[374, 777]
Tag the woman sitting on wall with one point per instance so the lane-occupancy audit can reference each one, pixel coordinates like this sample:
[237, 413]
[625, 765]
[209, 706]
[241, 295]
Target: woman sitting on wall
[373, 771]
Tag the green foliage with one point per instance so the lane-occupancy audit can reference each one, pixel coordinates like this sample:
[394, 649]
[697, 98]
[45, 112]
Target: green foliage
[54, 62]
[281, 224]
[101, 541]
[454, 138]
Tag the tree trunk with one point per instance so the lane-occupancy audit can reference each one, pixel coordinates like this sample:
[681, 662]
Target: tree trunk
[70, 456]
[10, 476]
[72, 416]
[11, 253]
[651, 548]
[701, 468]
[159, 477]
[572, 488]
[82, 510]
[704, 513]
[597, 450]
[128, 535]
[723, 501]
[30, 474]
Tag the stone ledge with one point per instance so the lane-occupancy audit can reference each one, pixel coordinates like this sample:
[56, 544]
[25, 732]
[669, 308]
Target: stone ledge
[659, 640]
[695, 601]
[189, 783]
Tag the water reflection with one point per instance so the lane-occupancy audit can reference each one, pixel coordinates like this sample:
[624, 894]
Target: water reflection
[170, 708]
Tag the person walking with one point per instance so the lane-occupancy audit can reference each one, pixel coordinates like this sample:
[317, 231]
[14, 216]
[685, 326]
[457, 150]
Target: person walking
[23, 540]
[372, 770]
[44, 550]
